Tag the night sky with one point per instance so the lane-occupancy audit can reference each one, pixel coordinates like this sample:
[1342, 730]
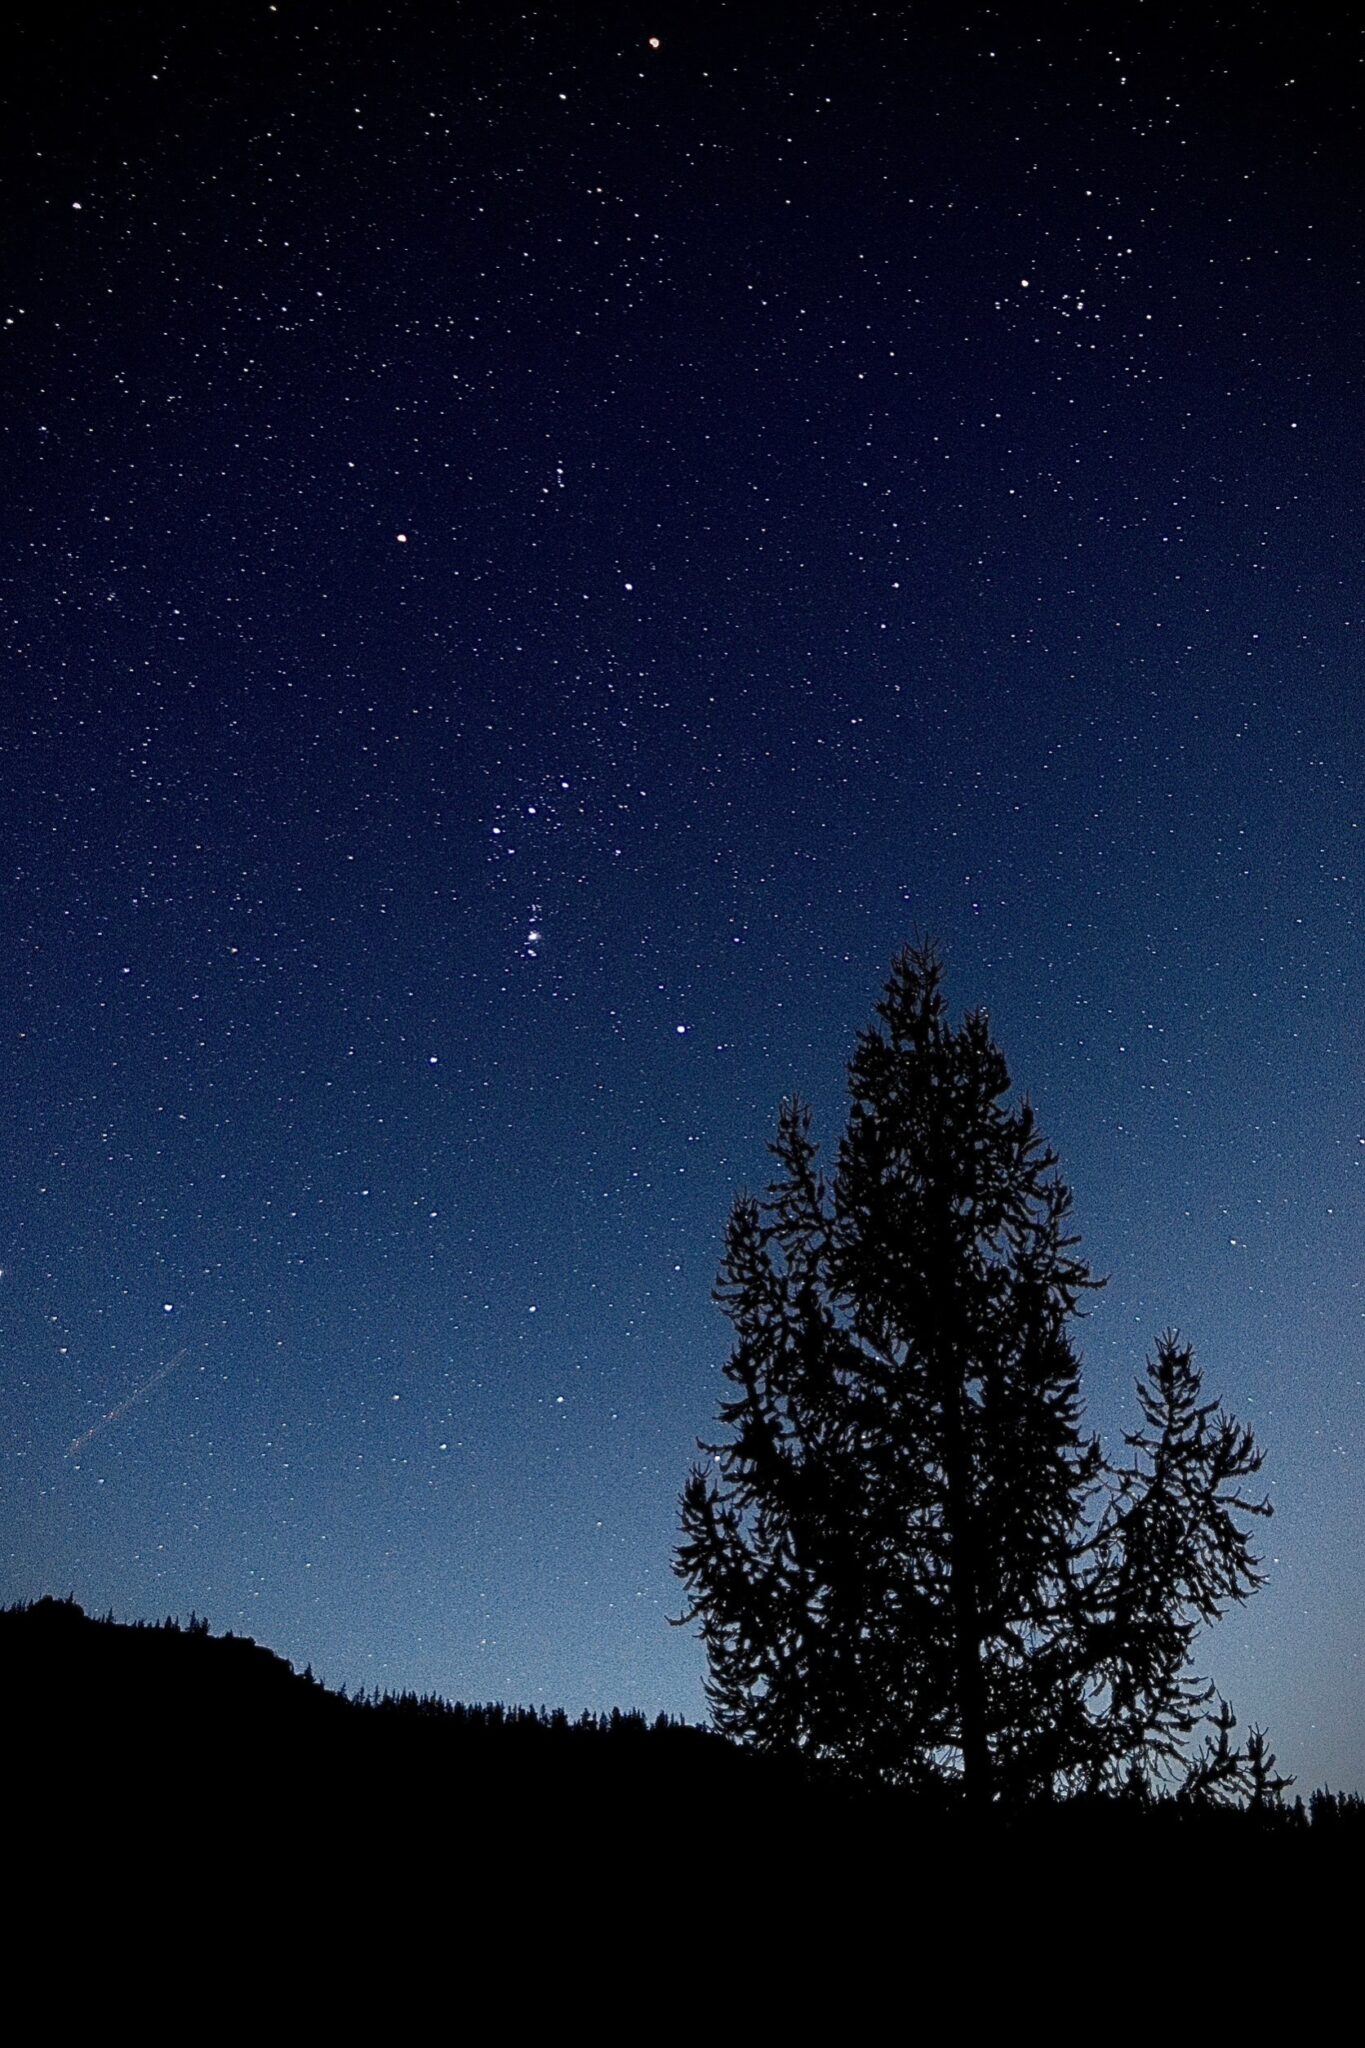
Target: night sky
[540, 548]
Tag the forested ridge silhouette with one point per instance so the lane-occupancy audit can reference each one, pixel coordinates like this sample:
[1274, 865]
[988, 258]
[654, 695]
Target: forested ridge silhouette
[167, 1725]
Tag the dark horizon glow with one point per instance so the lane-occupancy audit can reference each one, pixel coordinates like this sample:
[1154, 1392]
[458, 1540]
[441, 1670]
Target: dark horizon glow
[542, 551]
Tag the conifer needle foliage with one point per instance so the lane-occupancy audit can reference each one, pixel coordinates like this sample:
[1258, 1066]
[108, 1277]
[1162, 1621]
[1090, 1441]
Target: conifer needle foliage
[907, 1558]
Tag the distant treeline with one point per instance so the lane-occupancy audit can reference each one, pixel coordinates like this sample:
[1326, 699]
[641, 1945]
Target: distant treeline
[161, 1720]
[57, 1629]
[171, 1703]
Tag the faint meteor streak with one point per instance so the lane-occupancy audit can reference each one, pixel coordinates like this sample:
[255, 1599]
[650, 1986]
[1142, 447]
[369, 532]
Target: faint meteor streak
[117, 1413]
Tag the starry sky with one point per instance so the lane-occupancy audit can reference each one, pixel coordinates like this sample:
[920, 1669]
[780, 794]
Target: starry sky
[541, 546]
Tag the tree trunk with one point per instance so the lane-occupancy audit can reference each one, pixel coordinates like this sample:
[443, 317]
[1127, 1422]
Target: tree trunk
[971, 1680]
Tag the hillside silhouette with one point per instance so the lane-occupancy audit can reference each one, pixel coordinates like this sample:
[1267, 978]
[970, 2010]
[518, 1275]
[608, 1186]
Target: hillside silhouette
[163, 1711]
[167, 1733]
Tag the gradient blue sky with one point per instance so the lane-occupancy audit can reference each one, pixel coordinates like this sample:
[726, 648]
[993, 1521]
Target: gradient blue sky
[535, 561]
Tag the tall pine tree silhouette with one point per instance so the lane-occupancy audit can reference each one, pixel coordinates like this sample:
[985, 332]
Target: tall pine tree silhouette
[907, 1559]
